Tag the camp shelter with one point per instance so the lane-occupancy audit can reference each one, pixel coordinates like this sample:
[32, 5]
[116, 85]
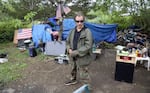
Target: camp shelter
[100, 32]
[57, 48]
[103, 32]
[40, 34]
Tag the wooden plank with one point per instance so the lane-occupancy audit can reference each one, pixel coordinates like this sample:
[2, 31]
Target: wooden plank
[15, 41]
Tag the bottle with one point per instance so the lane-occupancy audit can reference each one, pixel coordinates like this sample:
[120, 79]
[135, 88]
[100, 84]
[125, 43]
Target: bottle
[130, 50]
[94, 47]
[133, 50]
[137, 52]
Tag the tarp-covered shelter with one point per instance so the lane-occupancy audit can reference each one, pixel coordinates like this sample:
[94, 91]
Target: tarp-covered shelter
[39, 33]
[101, 32]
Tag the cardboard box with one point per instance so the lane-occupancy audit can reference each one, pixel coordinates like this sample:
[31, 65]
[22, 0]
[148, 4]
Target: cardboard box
[126, 58]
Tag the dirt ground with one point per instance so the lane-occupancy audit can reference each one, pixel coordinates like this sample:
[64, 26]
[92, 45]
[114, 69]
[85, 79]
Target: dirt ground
[49, 77]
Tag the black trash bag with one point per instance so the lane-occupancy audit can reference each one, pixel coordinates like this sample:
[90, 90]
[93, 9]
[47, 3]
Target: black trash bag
[3, 55]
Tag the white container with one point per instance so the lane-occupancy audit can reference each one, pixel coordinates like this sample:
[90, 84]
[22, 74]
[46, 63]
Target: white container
[60, 60]
[3, 60]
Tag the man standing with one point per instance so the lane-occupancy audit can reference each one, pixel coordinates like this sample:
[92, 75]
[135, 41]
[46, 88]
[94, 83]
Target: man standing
[79, 48]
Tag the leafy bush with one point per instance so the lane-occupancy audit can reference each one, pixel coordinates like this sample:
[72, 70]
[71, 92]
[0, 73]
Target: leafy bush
[122, 21]
[114, 18]
[142, 20]
[7, 29]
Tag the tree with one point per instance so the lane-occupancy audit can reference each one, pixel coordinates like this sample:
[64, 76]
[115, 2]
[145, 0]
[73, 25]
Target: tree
[110, 11]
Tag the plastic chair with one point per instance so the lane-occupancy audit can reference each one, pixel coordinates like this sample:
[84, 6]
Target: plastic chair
[144, 58]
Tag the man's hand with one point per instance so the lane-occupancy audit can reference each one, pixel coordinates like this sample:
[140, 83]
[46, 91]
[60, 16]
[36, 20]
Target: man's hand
[55, 33]
[70, 51]
[73, 53]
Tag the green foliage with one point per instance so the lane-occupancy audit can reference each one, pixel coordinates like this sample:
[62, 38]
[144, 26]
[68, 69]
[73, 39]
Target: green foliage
[106, 45]
[7, 28]
[143, 20]
[109, 11]
[29, 16]
[114, 18]
[8, 6]
[122, 21]
[99, 17]
[12, 13]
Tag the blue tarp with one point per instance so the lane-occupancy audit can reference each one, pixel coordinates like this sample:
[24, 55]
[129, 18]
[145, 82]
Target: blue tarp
[54, 22]
[39, 33]
[101, 32]
[68, 24]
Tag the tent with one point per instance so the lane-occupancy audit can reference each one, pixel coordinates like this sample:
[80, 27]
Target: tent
[39, 33]
[101, 32]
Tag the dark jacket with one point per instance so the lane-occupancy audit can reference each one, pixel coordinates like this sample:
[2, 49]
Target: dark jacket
[84, 46]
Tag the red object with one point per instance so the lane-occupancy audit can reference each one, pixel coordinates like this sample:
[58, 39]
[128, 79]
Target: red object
[139, 55]
[24, 33]
[125, 58]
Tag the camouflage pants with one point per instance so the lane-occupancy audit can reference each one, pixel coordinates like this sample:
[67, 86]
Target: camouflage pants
[80, 73]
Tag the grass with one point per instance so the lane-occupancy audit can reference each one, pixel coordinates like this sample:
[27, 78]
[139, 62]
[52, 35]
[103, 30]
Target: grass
[17, 61]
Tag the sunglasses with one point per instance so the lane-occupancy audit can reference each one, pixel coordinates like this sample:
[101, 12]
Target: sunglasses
[81, 21]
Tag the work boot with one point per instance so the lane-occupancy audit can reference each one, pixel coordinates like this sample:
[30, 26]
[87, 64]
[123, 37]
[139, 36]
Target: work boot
[71, 82]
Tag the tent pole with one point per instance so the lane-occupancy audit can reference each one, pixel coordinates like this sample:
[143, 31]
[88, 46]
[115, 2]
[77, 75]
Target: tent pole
[61, 21]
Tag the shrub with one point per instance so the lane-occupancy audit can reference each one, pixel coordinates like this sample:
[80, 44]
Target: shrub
[7, 29]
